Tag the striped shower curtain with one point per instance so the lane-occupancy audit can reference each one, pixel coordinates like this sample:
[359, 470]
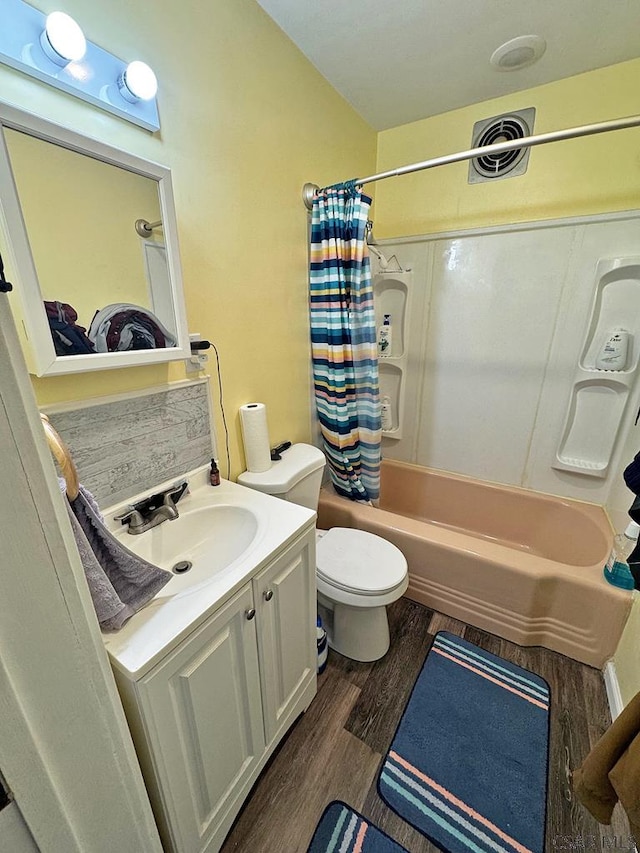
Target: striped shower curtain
[343, 342]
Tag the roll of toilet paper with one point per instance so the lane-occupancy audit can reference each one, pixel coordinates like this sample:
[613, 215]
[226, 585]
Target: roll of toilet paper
[255, 435]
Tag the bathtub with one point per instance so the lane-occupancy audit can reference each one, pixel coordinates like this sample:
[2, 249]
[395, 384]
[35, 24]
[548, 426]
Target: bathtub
[516, 563]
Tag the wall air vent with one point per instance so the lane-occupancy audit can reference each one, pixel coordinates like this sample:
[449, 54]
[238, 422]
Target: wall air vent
[504, 128]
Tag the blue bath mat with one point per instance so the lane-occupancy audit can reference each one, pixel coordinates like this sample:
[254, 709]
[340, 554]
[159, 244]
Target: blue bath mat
[343, 830]
[468, 763]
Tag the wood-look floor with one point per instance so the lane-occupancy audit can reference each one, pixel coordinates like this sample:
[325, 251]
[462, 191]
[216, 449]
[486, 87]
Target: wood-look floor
[335, 750]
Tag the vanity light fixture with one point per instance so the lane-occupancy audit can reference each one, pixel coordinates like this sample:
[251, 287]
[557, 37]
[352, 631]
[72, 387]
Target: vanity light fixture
[62, 39]
[138, 82]
[53, 49]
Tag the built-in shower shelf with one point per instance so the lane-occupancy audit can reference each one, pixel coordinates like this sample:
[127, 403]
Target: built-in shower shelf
[581, 465]
[598, 398]
[608, 374]
[391, 373]
[392, 295]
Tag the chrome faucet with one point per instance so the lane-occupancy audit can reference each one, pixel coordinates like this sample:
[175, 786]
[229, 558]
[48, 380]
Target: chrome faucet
[153, 510]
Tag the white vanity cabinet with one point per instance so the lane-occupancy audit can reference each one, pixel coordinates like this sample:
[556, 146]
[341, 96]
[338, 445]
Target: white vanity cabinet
[206, 718]
[285, 595]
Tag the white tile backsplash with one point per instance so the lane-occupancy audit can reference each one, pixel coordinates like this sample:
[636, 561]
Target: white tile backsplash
[129, 444]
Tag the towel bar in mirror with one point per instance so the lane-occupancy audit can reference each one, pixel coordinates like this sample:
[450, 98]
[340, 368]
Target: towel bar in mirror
[93, 289]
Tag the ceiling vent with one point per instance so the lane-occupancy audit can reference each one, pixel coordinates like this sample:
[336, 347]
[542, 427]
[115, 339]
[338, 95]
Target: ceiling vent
[504, 128]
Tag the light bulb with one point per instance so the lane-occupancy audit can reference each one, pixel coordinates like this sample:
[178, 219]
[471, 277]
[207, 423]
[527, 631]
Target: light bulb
[138, 82]
[62, 39]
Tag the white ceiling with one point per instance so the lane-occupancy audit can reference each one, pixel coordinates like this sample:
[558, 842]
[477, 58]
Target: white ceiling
[403, 61]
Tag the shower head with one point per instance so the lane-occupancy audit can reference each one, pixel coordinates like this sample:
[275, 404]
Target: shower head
[384, 263]
[144, 228]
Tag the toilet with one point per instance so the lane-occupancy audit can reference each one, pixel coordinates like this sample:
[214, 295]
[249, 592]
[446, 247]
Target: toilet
[357, 573]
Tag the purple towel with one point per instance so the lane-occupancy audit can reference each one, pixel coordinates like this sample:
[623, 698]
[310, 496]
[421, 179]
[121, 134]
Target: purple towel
[120, 582]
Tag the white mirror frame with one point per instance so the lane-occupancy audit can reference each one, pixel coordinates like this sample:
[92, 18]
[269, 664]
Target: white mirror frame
[20, 269]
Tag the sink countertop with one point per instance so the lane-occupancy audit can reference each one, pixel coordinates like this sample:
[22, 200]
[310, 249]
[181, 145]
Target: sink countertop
[166, 620]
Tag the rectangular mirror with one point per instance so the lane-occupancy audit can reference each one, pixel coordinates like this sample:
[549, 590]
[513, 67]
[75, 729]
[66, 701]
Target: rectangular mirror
[89, 240]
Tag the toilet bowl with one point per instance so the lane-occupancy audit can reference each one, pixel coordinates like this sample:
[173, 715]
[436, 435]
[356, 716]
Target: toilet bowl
[357, 573]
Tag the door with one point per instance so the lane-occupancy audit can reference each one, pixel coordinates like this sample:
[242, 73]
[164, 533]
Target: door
[285, 595]
[64, 741]
[203, 712]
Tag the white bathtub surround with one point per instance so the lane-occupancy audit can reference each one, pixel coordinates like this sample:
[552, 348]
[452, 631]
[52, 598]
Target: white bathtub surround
[498, 326]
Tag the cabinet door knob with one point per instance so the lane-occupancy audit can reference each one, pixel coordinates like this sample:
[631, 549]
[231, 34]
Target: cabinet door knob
[268, 595]
[250, 613]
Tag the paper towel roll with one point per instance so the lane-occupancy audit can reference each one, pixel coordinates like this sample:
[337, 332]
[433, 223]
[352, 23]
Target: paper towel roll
[255, 435]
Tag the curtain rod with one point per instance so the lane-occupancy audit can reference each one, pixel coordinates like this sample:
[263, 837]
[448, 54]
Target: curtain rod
[309, 190]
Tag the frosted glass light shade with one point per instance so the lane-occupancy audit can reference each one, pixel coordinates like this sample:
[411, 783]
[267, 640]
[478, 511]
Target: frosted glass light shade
[62, 39]
[138, 82]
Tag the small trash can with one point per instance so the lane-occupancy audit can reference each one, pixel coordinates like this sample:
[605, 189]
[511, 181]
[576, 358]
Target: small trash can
[323, 648]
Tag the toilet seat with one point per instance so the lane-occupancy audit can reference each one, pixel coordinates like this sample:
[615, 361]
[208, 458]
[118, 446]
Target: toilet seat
[359, 563]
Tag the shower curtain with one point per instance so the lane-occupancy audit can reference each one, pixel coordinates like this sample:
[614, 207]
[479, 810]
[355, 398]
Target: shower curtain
[343, 341]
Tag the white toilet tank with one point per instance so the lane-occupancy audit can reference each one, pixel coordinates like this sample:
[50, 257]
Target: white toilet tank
[296, 477]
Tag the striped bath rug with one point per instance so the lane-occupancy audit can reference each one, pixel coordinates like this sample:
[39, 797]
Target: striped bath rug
[343, 830]
[468, 763]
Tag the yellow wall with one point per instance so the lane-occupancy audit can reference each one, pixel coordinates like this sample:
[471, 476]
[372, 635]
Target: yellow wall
[246, 120]
[569, 178]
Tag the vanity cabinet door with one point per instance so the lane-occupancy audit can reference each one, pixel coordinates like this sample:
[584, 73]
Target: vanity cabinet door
[285, 595]
[202, 707]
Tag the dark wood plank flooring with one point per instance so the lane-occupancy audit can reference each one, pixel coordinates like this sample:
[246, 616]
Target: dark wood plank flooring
[334, 751]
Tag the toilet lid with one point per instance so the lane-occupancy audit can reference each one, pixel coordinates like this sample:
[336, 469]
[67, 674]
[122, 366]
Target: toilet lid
[359, 561]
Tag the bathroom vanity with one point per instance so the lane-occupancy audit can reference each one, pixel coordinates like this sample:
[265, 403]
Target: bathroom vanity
[213, 673]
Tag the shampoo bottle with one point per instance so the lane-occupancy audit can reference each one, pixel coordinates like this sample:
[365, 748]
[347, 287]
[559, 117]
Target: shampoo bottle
[386, 418]
[384, 337]
[613, 355]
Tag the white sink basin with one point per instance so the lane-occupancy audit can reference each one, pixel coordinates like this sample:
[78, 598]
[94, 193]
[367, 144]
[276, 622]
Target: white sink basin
[228, 533]
[211, 538]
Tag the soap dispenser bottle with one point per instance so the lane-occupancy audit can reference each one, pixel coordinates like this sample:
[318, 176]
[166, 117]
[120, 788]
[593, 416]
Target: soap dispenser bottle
[614, 351]
[384, 337]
